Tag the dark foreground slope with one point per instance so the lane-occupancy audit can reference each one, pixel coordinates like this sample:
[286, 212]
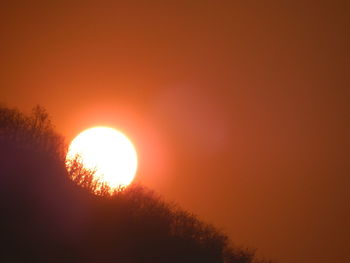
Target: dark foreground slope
[46, 217]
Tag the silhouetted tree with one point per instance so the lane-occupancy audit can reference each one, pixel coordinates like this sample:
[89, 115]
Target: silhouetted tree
[49, 213]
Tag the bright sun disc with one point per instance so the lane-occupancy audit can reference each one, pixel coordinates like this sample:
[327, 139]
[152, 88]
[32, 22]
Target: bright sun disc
[107, 151]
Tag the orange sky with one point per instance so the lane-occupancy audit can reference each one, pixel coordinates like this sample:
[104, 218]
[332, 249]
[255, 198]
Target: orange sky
[240, 111]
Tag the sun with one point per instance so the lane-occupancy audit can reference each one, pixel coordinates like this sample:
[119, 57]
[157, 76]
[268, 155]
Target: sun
[107, 151]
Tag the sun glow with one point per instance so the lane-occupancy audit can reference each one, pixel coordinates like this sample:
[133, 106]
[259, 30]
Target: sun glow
[107, 151]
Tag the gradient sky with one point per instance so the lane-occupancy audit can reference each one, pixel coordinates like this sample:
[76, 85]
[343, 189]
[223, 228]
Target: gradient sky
[239, 110]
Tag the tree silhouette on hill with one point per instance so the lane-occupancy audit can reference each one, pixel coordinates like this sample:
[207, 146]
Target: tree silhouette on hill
[49, 214]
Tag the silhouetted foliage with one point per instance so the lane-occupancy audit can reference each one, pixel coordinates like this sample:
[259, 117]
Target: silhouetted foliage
[49, 213]
[85, 178]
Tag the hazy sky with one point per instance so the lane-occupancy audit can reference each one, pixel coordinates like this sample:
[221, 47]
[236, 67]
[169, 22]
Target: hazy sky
[239, 110]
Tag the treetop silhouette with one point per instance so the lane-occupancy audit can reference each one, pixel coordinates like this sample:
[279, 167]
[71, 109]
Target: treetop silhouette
[49, 213]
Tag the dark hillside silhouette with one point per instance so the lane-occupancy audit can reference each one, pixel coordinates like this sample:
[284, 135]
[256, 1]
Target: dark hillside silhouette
[48, 217]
